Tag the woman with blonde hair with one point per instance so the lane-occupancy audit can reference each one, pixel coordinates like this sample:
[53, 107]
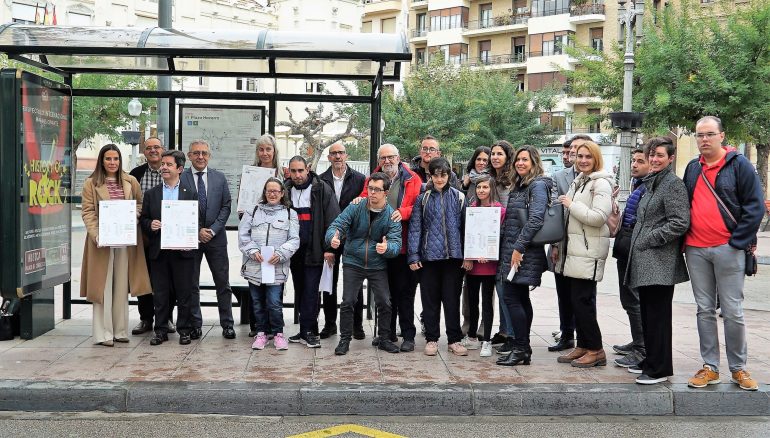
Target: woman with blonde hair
[108, 274]
[266, 155]
[581, 255]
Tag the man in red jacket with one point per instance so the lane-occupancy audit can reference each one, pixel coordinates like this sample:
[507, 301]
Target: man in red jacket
[404, 190]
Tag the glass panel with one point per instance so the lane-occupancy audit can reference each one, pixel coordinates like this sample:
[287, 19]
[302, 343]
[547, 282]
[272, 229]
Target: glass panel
[222, 65]
[335, 42]
[58, 36]
[203, 39]
[109, 62]
[340, 67]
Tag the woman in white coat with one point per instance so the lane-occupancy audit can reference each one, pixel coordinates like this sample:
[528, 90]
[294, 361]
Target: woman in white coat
[581, 255]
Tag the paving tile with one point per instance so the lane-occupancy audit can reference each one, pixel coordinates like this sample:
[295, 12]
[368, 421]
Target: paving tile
[50, 340]
[21, 369]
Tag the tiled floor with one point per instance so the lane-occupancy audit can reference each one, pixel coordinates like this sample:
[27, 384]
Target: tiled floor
[68, 353]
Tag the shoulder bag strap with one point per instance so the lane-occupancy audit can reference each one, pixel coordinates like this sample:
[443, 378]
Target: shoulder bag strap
[719, 200]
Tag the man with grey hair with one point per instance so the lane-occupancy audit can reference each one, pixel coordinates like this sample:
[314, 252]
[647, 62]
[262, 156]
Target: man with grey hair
[404, 190]
[214, 210]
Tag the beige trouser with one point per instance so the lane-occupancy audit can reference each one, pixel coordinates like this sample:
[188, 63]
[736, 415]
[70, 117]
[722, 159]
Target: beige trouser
[110, 320]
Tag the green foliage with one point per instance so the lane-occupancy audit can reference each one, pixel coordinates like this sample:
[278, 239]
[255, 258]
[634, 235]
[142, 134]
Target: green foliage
[464, 109]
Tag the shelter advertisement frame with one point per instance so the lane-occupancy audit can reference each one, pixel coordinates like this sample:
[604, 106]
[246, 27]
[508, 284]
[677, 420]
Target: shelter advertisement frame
[35, 164]
[232, 132]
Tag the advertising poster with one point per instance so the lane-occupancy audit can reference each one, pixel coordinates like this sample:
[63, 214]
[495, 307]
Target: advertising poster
[44, 218]
[231, 132]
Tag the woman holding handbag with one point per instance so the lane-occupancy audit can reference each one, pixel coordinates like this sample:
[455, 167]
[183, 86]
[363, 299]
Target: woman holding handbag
[108, 275]
[581, 255]
[530, 192]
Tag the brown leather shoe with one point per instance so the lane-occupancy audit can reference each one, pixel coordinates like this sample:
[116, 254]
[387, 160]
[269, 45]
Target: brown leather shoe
[572, 355]
[592, 358]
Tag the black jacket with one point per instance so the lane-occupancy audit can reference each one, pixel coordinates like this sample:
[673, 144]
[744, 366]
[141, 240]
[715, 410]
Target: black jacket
[418, 169]
[139, 171]
[352, 185]
[323, 209]
[151, 210]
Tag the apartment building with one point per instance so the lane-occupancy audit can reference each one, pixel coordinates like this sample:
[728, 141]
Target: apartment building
[387, 16]
[523, 38]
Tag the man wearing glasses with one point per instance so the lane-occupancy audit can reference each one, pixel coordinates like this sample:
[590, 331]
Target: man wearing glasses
[371, 237]
[148, 175]
[214, 205]
[404, 190]
[726, 208]
[347, 184]
[430, 149]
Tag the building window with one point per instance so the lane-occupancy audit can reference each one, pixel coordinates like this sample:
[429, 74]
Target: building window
[544, 8]
[315, 87]
[538, 81]
[551, 43]
[595, 120]
[419, 56]
[366, 27]
[422, 24]
[557, 121]
[246, 84]
[597, 38]
[388, 25]
[519, 49]
[449, 18]
[520, 81]
[485, 15]
[452, 53]
[485, 54]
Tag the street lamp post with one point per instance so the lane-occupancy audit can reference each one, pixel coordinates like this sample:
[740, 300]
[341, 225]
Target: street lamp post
[627, 121]
[132, 136]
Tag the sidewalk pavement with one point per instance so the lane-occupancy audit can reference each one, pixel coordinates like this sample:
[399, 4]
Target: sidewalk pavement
[64, 371]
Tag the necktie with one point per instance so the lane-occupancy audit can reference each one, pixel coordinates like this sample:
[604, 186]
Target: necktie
[201, 196]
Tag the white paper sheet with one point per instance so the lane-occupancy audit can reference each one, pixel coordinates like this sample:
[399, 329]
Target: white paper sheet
[253, 180]
[117, 222]
[482, 233]
[268, 270]
[327, 277]
[179, 225]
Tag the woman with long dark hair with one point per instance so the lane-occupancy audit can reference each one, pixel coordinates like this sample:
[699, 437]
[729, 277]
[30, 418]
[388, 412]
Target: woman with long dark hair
[524, 217]
[108, 274]
[477, 166]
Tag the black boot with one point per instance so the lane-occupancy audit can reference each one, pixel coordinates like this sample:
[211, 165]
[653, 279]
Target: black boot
[516, 357]
[563, 344]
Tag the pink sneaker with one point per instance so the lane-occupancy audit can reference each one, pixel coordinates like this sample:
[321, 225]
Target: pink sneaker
[280, 342]
[259, 341]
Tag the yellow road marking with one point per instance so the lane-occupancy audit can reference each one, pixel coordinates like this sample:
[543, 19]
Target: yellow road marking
[346, 428]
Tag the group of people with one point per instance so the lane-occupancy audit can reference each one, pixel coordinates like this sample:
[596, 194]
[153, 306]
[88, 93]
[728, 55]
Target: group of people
[403, 225]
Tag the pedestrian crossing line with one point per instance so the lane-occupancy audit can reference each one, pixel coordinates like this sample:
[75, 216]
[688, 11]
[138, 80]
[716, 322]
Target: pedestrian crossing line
[346, 428]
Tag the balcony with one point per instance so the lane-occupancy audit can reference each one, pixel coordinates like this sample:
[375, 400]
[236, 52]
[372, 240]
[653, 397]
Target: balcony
[550, 11]
[377, 6]
[494, 25]
[590, 13]
[418, 4]
[499, 62]
[419, 35]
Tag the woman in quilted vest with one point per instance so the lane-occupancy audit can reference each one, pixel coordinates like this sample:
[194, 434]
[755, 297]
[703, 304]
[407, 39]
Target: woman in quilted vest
[269, 233]
[581, 255]
[524, 217]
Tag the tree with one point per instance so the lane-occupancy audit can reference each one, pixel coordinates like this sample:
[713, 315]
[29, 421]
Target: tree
[690, 64]
[464, 109]
[311, 127]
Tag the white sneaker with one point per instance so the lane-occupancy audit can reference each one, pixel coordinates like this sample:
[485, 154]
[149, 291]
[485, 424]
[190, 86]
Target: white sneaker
[486, 349]
[470, 343]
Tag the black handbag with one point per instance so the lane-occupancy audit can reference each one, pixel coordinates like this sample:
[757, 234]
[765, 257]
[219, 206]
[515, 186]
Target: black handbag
[552, 230]
[7, 311]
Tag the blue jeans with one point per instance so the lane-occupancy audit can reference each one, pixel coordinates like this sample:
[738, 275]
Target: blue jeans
[267, 305]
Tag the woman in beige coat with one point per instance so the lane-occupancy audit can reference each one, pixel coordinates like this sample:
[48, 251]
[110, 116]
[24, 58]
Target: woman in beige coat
[109, 274]
[581, 255]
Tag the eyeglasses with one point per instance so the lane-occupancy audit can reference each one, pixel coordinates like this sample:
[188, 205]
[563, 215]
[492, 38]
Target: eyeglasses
[273, 192]
[200, 153]
[337, 152]
[375, 189]
[431, 150]
[389, 158]
[702, 135]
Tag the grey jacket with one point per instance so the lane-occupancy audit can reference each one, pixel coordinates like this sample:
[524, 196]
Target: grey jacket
[663, 218]
[276, 226]
[563, 180]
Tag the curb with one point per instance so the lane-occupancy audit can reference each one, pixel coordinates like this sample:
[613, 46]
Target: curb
[763, 260]
[381, 399]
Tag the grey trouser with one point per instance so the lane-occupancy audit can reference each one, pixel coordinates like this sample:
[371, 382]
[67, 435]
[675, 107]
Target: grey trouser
[719, 270]
[352, 279]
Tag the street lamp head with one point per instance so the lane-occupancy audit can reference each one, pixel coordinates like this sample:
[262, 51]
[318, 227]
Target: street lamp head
[622, 3]
[134, 107]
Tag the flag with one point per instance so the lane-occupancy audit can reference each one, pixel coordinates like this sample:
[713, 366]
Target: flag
[53, 21]
[37, 14]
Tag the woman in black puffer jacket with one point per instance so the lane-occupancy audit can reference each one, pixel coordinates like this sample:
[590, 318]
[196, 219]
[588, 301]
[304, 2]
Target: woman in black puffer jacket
[530, 192]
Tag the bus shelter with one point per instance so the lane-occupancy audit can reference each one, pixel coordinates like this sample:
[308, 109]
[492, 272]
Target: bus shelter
[276, 55]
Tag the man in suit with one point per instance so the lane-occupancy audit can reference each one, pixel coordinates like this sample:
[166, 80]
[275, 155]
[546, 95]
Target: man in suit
[347, 184]
[563, 180]
[214, 207]
[316, 207]
[170, 268]
[148, 175]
